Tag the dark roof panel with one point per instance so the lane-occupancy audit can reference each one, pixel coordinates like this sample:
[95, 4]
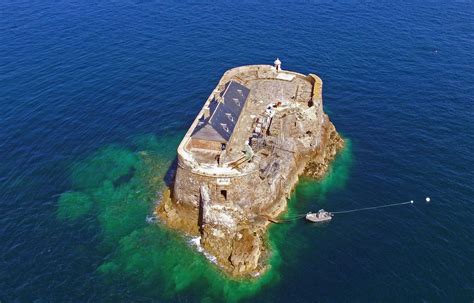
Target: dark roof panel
[207, 132]
[224, 114]
[235, 97]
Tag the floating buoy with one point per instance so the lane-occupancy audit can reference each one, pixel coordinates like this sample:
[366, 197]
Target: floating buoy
[428, 199]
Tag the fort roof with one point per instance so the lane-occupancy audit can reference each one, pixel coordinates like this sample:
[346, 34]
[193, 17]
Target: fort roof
[233, 111]
[223, 114]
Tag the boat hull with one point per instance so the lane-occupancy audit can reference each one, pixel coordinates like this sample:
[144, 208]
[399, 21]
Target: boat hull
[314, 217]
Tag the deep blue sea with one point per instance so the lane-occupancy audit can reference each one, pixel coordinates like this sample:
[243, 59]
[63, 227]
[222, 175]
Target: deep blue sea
[89, 87]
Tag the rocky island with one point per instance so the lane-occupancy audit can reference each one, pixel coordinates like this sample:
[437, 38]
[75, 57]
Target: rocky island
[260, 129]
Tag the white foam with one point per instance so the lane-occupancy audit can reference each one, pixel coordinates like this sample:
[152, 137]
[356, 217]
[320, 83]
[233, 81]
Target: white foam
[196, 242]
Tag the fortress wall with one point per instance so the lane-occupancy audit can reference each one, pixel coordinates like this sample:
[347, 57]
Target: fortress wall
[261, 71]
[246, 191]
[317, 88]
[250, 192]
[233, 219]
[187, 184]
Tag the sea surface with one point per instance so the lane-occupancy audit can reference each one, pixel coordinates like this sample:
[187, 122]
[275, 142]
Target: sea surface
[96, 95]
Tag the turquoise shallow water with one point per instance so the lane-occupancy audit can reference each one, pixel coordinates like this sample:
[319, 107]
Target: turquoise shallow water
[95, 97]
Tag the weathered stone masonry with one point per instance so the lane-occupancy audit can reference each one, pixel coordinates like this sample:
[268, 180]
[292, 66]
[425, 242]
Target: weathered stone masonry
[258, 130]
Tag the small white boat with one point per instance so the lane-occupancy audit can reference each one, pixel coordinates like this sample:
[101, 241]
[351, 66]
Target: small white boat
[320, 216]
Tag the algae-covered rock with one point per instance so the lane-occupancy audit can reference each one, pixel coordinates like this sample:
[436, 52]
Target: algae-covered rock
[73, 205]
[111, 163]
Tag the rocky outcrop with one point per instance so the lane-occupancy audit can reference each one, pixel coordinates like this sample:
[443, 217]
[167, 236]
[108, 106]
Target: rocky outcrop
[178, 216]
[239, 252]
[319, 163]
[236, 237]
[228, 204]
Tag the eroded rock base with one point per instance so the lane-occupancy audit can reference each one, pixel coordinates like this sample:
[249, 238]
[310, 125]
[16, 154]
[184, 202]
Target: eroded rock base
[241, 248]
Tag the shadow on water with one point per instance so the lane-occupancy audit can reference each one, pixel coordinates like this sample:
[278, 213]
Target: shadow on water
[117, 187]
